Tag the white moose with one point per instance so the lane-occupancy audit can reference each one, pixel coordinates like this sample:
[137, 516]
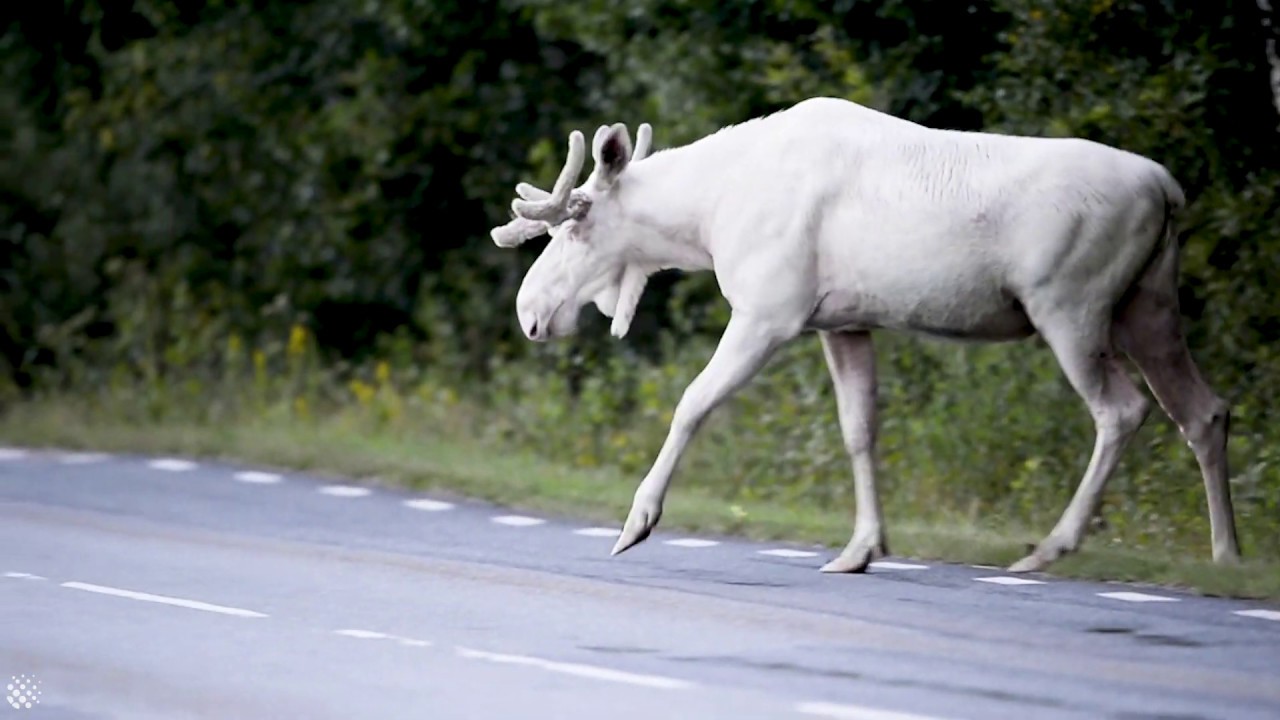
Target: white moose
[839, 219]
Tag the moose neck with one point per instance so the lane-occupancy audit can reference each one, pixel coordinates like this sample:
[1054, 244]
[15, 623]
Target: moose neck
[662, 197]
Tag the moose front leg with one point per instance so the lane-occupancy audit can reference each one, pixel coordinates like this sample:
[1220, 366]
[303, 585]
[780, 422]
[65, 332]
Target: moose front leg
[744, 348]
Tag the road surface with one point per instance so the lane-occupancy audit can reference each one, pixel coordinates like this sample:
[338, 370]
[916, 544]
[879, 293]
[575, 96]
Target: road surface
[137, 587]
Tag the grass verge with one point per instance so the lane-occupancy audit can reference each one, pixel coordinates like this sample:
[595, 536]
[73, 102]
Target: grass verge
[462, 467]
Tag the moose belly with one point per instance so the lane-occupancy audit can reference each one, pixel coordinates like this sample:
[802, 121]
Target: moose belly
[973, 312]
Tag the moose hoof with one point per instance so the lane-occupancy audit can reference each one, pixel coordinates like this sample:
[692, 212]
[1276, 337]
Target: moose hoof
[640, 522]
[1042, 557]
[1030, 563]
[856, 558]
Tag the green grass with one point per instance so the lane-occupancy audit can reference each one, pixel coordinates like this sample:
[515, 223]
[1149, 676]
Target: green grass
[446, 464]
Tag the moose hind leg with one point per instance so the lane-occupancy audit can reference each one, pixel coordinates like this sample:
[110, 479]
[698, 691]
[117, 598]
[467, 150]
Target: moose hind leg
[851, 361]
[1118, 408]
[1149, 331]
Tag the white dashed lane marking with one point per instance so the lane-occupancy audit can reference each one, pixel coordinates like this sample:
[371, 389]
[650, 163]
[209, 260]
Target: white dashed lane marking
[362, 634]
[1264, 614]
[256, 477]
[787, 553]
[344, 490]
[375, 635]
[587, 671]
[1008, 580]
[517, 520]
[856, 712]
[692, 542]
[172, 464]
[1136, 597]
[163, 599]
[169, 464]
[887, 565]
[428, 505]
[85, 458]
[598, 532]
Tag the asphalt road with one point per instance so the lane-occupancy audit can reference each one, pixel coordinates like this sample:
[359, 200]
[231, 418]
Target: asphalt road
[159, 588]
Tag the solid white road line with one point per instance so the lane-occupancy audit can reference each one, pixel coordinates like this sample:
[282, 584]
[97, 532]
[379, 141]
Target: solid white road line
[172, 464]
[788, 553]
[598, 532]
[23, 576]
[1264, 614]
[517, 520]
[692, 542]
[1007, 580]
[886, 565]
[162, 599]
[588, 671]
[856, 712]
[344, 490]
[257, 477]
[12, 453]
[1136, 597]
[428, 505]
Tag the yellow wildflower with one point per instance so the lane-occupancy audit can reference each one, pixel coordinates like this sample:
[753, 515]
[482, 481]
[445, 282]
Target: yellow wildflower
[362, 390]
[297, 340]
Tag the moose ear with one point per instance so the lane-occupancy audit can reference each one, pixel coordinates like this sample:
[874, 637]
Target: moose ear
[612, 152]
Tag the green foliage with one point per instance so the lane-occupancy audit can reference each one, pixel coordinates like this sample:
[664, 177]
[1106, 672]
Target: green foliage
[989, 435]
[220, 211]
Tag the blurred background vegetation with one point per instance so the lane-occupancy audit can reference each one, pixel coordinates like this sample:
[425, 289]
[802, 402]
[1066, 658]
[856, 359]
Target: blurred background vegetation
[214, 213]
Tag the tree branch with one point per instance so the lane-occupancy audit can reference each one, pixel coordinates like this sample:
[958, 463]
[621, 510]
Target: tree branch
[1272, 32]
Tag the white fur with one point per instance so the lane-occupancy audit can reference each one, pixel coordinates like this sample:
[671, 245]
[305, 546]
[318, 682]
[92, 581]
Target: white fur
[836, 218]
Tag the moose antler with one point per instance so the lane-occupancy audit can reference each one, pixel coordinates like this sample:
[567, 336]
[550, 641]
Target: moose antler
[521, 228]
[538, 210]
[555, 209]
[644, 136]
[517, 231]
[531, 192]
